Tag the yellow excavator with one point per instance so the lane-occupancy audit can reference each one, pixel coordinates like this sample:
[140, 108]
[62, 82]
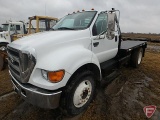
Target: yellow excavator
[12, 31]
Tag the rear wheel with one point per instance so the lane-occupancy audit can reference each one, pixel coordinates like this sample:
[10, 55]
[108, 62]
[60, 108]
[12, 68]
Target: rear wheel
[136, 57]
[79, 93]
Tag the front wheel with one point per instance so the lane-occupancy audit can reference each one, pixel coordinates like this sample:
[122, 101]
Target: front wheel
[80, 92]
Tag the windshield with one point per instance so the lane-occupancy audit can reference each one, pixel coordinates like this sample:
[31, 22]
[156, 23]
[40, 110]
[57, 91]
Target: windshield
[75, 21]
[5, 27]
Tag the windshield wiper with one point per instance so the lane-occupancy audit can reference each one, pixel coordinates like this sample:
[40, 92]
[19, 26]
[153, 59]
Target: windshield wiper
[65, 28]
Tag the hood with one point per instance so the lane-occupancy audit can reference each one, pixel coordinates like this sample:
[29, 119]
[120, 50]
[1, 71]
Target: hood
[51, 37]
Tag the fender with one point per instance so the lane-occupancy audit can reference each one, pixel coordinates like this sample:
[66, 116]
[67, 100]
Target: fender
[70, 58]
[96, 62]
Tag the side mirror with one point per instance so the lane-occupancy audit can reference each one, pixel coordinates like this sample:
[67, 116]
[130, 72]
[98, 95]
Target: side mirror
[111, 25]
[101, 36]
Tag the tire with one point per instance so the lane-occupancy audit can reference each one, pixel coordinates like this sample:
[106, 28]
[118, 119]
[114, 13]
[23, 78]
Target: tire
[1, 63]
[136, 58]
[3, 45]
[2, 58]
[79, 93]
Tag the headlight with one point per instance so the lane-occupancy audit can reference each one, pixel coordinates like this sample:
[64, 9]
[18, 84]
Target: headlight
[53, 76]
[44, 74]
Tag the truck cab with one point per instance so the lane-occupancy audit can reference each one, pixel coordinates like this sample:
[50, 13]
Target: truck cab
[62, 67]
[9, 29]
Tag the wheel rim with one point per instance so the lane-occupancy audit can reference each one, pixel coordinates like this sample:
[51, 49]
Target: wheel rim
[3, 48]
[140, 57]
[82, 93]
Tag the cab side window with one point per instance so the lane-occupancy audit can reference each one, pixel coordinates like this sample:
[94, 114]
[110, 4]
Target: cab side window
[100, 24]
[18, 27]
[12, 28]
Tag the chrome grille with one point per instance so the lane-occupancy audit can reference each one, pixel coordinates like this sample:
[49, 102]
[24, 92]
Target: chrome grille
[20, 64]
[14, 62]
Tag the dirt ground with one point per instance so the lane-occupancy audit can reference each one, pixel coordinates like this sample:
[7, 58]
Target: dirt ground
[122, 99]
[153, 37]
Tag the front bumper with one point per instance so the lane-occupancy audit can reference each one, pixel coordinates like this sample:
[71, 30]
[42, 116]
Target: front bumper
[37, 96]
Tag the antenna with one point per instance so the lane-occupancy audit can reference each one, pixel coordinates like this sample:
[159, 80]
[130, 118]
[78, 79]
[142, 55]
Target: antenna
[10, 20]
[45, 8]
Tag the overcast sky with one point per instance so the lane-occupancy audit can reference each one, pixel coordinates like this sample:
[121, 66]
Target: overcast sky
[136, 15]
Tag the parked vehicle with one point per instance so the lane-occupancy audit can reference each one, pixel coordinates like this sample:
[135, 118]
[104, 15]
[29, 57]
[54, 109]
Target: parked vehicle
[63, 67]
[15, 30]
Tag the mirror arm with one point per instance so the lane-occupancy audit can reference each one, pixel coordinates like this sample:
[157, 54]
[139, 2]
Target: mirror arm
[98, 36]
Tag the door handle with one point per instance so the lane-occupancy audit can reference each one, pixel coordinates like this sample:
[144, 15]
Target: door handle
[95, 44]
[116, 37]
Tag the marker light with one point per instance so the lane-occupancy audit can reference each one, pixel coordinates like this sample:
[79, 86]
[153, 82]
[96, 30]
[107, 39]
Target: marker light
[83, 10]
[56, 76]
[53, 76]
[92, 9]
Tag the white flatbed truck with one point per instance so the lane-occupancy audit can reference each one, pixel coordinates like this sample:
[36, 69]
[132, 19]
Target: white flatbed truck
[62, 67]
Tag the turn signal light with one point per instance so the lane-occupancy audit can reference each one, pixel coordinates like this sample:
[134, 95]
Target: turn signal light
[83, 10]
[92, 9]
[56, 76]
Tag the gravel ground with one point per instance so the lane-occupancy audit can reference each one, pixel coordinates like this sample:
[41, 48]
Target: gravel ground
[123, 98]
[5, 83]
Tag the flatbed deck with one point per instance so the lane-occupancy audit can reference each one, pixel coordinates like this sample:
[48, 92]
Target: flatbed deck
[130, 45]
[123, 55]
